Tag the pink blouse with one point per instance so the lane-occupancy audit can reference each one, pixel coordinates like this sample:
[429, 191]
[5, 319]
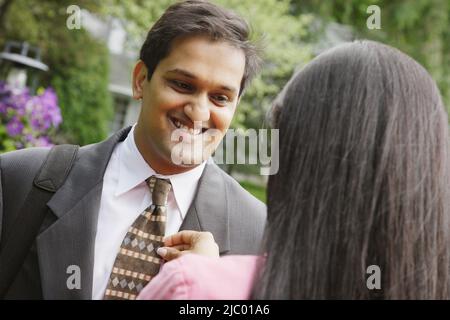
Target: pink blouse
[197, 277]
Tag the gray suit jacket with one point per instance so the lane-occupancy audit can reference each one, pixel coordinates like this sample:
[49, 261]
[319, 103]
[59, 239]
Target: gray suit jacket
[67, 235]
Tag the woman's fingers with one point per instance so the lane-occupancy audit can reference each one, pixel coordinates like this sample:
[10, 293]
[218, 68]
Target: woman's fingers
[182, 237]
[202, 238]
[168, 253]
[188, 241]
[187, 237]
[181, 247]
[203, 243]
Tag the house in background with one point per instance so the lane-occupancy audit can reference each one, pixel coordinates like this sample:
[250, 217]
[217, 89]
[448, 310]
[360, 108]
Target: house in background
[126, 109]
[122, 60]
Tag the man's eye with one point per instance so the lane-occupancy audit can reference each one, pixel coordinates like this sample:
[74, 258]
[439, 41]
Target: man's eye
[182, 85]
[221, 99]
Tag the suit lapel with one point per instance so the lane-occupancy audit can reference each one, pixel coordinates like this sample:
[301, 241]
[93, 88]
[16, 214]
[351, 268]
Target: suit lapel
[66, 248]
[209, 210]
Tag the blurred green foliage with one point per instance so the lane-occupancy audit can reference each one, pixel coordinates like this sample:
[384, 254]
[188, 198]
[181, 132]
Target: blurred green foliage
[79, 64]
[82, 87]
[420, 28]
[283, 38]
[256, 190]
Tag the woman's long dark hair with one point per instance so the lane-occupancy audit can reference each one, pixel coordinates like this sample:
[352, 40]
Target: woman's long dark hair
[363, 180]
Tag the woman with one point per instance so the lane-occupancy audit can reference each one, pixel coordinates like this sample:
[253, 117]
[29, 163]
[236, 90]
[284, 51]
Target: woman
[363, 181]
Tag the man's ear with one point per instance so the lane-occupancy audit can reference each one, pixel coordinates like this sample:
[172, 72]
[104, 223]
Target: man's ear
[139, 76]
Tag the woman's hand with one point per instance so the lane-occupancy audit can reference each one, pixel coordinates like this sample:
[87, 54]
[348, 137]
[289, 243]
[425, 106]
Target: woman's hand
[188, 241]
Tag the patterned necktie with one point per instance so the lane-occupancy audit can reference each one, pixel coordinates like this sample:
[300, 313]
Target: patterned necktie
[137, 261]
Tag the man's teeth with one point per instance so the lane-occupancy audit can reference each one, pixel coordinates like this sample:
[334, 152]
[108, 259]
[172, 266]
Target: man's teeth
[192, 131]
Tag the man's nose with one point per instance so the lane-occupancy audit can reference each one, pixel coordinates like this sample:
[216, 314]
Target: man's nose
[198, 109]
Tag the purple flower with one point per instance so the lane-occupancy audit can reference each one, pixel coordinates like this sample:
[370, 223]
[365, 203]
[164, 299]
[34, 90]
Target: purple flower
[14, 127]
[50, 100]
[28, 118]
[29, 137]
[44, 111]
[3, 108]
[14, 99]
[19, 101]
[42, 141]
[5, 95]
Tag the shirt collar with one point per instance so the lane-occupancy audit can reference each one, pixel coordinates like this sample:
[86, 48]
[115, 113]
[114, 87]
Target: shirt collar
[184, 186]
[134, 170]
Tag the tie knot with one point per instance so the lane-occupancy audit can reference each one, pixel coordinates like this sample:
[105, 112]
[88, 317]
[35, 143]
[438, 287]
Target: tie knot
[160, 189]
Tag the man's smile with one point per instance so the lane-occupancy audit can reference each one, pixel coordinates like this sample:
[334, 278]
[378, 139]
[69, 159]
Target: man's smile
[188, 126]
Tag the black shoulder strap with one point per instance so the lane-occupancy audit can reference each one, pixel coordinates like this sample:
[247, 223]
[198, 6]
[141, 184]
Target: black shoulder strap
[50, 177]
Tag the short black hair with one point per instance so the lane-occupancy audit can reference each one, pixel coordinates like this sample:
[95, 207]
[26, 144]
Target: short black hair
[199, 17]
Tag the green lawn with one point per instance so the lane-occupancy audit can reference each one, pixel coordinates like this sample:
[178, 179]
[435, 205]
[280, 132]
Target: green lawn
[256, 190]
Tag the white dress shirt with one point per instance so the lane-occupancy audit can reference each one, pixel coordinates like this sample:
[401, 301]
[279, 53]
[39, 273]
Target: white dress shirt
[125, 195]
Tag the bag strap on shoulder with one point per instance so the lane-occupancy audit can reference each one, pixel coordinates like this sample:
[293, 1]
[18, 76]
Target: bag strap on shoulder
[25, 228]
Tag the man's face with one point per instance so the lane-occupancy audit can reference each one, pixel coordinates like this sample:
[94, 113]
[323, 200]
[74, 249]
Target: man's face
[197, 83]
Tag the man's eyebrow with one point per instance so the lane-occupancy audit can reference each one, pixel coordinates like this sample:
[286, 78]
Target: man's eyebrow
[192, 76]
[229, 89]
[183, 72]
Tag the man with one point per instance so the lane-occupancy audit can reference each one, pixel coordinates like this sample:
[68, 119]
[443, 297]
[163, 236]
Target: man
[193, 68]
